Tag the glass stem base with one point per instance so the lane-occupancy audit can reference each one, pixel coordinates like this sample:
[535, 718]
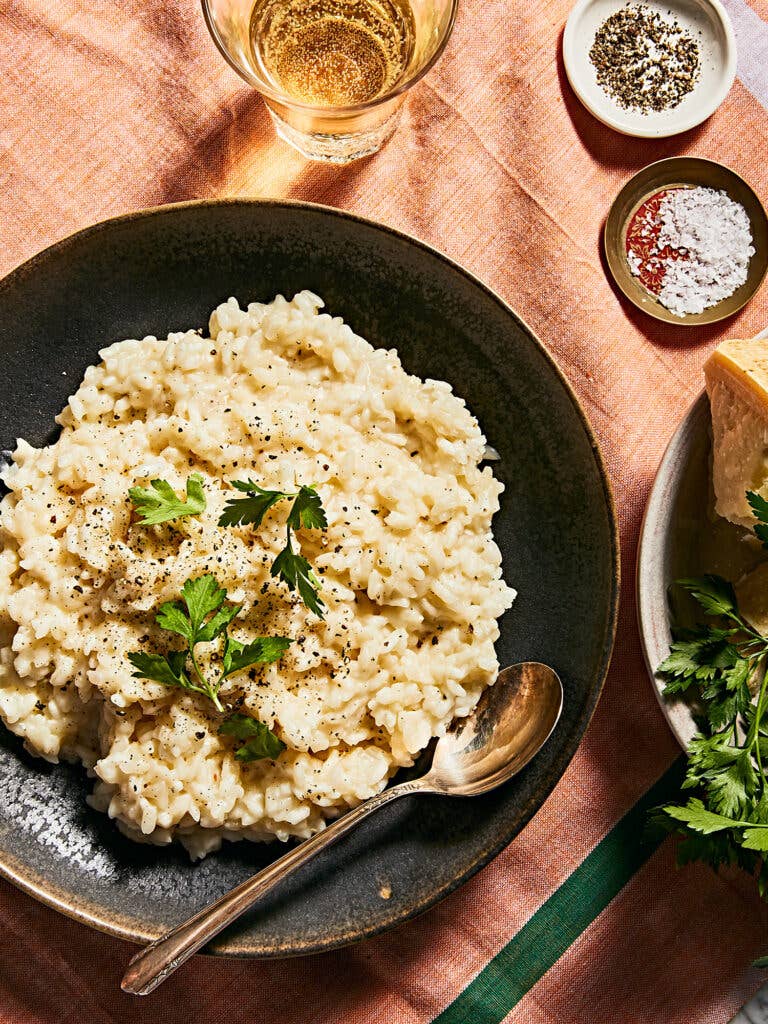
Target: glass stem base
[337, 147]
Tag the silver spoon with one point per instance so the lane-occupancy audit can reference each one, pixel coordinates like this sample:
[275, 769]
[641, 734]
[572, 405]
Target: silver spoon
[511, 723]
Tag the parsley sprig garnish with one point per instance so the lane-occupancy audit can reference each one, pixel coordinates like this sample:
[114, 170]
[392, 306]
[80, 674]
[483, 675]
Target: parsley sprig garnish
[159, 503]
[306, 512]
[257, 740]
[720, 665]
[202, 616]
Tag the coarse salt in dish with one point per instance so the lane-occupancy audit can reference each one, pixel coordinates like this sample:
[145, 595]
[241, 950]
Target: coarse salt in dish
[411, 576]
[691, 247]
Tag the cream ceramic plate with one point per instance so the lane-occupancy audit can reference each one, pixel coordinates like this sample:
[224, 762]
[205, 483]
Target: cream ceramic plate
[676, 517]
[682, 536]
[708, 23]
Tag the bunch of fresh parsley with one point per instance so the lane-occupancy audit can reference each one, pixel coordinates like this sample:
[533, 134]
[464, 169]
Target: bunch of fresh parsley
[306, 511]
[201, 617]
[721, 665]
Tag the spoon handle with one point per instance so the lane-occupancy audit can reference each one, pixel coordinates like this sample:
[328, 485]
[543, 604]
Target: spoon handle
[157, 961]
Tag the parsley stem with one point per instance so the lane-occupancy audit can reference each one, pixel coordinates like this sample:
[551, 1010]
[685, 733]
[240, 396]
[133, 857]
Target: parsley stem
[756, 637]
[754, 738]
[207, 688]
[758, 642]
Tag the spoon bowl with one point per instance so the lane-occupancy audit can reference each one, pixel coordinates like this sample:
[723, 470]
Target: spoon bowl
[512, 721]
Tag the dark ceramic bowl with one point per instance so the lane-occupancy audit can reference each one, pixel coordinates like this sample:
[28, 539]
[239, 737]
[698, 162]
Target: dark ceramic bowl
[167, 269]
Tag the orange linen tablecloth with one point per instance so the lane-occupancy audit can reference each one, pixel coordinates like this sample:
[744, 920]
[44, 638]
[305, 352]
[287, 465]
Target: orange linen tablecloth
[107, 107]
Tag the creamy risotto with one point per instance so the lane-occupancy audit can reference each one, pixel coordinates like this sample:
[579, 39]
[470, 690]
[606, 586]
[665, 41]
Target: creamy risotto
[410, 575]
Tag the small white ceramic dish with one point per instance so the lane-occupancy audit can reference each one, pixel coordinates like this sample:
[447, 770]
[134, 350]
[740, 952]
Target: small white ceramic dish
[706, 20]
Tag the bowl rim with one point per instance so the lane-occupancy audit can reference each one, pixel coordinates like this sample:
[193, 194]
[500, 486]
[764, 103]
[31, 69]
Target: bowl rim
[85, 914]
[650, 587]
[571, 62]
[610, 225]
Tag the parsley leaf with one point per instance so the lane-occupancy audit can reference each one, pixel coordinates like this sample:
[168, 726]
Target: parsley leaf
[730, 790]
[160, 504]
[715, 595]
[708, 660]
[201, 616]
[306, 513]
[296, 572]
[756, 839]
[201, 598]
[168, 669]
[258, 741]
[697, 655]
[263, 650]
[695, 814]
[759, 506]
[251, 510]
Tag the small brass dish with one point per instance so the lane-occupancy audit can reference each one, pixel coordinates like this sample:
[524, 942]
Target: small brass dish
[686, 172]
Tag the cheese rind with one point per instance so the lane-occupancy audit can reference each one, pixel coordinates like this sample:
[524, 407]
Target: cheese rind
[737, 383]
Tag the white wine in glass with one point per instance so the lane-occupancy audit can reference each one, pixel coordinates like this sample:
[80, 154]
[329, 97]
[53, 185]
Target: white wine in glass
[333, 73]
[332, 53]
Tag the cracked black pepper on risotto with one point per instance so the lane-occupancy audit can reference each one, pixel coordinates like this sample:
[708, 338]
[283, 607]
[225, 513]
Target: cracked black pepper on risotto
[411, 576]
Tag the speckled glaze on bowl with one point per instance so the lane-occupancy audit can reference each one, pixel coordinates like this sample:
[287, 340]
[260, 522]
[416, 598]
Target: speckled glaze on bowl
[677, 518]
[166, 269]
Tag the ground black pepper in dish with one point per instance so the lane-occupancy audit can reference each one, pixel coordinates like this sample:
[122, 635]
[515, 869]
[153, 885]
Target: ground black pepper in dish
[644, 61]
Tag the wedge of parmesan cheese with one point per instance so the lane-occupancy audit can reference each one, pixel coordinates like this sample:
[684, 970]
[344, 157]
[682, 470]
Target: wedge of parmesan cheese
[737, 383]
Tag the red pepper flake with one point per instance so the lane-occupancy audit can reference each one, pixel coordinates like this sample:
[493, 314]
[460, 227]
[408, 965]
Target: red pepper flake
[642, 234]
